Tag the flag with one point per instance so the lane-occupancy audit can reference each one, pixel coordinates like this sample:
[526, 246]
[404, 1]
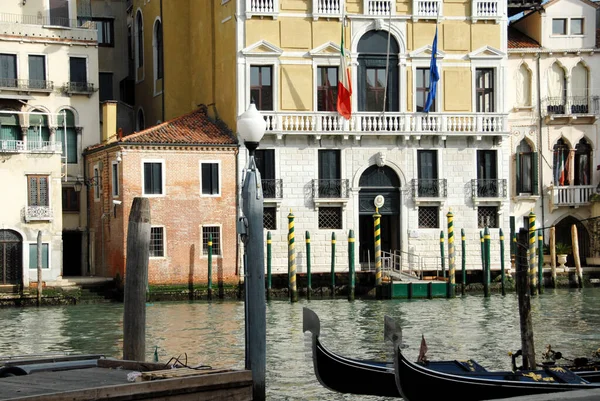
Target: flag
[423, 350]
[344, 106]
[434, 76]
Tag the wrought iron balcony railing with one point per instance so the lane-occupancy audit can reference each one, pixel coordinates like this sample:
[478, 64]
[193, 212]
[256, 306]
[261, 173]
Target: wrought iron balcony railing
[38, 213]
[262, 8]
[30, 85]
[337, 188]
[571, 105]
[327, 8]
[488, 188]
[429, 188]
[572, 195]
[45, 20]
[14, 146]
[79, 87]
[272, 189]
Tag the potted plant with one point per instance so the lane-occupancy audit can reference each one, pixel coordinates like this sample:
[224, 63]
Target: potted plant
[562, 251]
[546, 255]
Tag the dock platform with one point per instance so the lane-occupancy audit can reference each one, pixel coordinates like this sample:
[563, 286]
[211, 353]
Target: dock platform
[414, 289]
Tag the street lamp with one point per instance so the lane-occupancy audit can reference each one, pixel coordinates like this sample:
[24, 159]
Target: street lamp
[251, 128]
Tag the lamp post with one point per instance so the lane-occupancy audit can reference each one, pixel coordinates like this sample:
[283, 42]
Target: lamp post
[251, 128]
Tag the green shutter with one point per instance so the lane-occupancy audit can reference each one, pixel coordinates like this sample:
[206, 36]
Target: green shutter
[518, 173]
[33, 256]
[534, 172]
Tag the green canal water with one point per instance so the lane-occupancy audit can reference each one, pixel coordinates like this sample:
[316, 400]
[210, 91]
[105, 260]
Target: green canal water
[485, 329]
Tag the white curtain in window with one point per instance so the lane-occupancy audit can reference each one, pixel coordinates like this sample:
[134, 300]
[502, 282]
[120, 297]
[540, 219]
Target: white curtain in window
[523, 85]
[579, 83]
[556, 81]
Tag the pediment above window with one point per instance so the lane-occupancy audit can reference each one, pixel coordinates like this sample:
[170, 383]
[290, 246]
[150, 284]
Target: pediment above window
[328, 49]
[425, 53]
[262, 48]
[487, 53]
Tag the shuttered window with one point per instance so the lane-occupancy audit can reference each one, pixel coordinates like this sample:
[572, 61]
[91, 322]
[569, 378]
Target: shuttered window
[8, 70]
[33, 256]
[210, 179]
[37, 71]
[77, 72]
[37, 189]
[526, 168]
[9, 127]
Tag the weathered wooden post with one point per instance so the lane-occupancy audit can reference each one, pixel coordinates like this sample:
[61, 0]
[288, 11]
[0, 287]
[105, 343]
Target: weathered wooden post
[210, 245]
[486, 271]
[540, 262]
[292, 259]
[308, 268]
[351, 278]
[377, 233]
[575, 247]
[39, 268]
[553, 255]
[482, 257]
[333, 264]
[464, 259]
[451, 255]
[532, 278]
[442, 253]
[513, 259]
[136, 279]
[269, 257]
[502, 273]
[524, 296]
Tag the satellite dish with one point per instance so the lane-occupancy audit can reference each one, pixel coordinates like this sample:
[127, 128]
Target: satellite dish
[379, 201]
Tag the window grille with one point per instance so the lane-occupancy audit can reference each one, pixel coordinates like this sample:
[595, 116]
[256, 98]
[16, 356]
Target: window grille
[270, 218]
[157, 242]
[216, 239]
[487, 216]
[429, 217]
[330, 218]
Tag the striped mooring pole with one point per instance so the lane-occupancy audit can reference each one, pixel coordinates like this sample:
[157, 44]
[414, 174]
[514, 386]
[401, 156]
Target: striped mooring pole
[482, 256]
[308, 265]
[333, 264]
[486, 271]
[442, 253]
[540, 256]
[292, 259]
[210, 266]
[269, 255]
[532, 275]
[377, 228]
[351, 278]
[463, 256]
[451, 256]
[502, 273]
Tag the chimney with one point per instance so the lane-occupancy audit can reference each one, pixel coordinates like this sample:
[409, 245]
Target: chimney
[109, 121]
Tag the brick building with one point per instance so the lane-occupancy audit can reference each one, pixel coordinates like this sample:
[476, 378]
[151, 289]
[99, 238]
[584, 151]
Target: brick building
[187, 168]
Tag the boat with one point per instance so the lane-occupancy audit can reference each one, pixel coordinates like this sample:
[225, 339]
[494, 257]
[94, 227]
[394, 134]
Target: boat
[587, 368]
[424, 381]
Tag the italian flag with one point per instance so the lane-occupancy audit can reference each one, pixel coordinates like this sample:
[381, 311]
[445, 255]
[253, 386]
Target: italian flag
[344, 88]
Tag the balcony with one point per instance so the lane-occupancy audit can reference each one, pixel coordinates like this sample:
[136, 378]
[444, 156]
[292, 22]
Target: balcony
[572, 195]
[79, 88]
[487, 10]
[38, 213]
[272, 189]
[262, 8]
[46, 21]
[571, 107]
[327, 9]
[427, 9]
[379, 7]
[330, 191]
[490, 190]
[14, 146]
[26, 85]
[390, 123]
[428, 190]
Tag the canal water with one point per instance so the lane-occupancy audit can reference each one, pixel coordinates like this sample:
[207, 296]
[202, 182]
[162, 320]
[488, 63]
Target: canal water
[484, 329]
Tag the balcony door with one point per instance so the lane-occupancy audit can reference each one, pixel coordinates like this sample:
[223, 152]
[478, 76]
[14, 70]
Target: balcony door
[329, 174]
[8, 70]
[427, 171]
[11, 255]
[265, 163]
[37, 71]
[59, 12]
[487, 174]
[78, 72]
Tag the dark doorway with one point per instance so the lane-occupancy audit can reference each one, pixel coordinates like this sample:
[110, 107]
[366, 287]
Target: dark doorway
[563, 234]
[11, 257]
[71, 253]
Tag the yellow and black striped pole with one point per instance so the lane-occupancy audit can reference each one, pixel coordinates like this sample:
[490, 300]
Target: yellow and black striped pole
[292, 259]
[377, 226]
[451, 255]
[532, 239]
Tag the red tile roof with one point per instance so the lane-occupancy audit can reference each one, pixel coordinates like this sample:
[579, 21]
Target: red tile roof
[518, 40]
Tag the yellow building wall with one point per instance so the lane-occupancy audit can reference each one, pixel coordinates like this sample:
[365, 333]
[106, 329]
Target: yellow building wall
[296, 82]
[257, 29]
[224, 85]
[457, 89]
[456, 39]
[483, 34]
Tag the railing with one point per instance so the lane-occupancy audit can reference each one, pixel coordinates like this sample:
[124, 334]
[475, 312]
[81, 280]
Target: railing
[26, 84]
[79, 87]
[571, 105]
[262, 7]
[336, 188]
[51, 21]
[486, 9]
[407, 265]
[327, 8]
[572, 195]
[272, 189]
[38, 213]
[14, 146]
[488, 188]
[379, 7]
[391, 123]
[427, 8]
[429, 188]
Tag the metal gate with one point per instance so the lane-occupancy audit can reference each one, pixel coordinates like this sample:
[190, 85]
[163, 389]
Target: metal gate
[11, 260]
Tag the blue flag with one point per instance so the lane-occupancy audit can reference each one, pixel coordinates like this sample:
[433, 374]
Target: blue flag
[434, 76]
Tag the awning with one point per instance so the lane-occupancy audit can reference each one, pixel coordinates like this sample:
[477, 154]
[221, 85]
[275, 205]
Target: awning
[11, 96]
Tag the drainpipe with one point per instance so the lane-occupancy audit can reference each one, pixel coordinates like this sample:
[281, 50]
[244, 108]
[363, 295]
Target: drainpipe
[541, 155]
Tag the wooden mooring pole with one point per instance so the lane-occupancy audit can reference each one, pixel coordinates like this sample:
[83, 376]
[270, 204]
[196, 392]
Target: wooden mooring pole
[502, 272]
[540, 255]
[269, 256]
[463, 256]
[553, 255]
[292, 259]
[487, 256]
[308, 268]
[575, 247]
[524, 296]
[532, 275]
[351, 278]
[136, 280]
[451, 256]
[333, 264]
[40, 282]
[443, 258]
[210, 251]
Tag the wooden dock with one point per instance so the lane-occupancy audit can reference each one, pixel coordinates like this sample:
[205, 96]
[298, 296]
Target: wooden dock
[62, 379]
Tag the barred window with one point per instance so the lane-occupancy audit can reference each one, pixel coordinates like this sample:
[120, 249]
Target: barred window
[38, 190]
[429, 217]
[487, 216]
[157, 242]
[215, 231]
[270, 218]
[330, 218]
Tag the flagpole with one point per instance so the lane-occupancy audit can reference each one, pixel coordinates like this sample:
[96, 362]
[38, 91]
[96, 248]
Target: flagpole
[387, 59]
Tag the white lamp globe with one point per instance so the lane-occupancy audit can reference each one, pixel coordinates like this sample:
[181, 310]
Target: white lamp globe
[251, 125]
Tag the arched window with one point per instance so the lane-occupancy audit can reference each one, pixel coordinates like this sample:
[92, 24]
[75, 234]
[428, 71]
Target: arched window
[158, 49]
[372, 85]
[557, 89]
[527, 171]
[579, 89]
[561, 163]
[139, 33]
[67, 135]
[583, 154]
[141, 121]
[523, 86]
[38, 134]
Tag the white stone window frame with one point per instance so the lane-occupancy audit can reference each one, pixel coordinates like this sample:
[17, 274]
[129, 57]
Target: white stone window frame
[529, 106]
[569, 77]
[17, 63]
[488, 57]
[40, 174]
[220, 192]
[326, 55]
[421, 58]
[34, 54]
[163, 172]
[115, 190]
[253, 56]
[29, 243]
[220, 227]
[155, 56]
[567, 33]
[88, 78]
[164, 241]
[332, 202]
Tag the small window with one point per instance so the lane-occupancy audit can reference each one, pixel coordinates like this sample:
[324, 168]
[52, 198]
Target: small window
[157, 242]
[38, 190]
[261, 87]
[33, 256]
[105, 31]
[330, 218]
[139, 45]
[484, 87]
[559, 26]
[115, 180]
[270, 218]
[429, 217]
[215, 231]
[106, 86]
[97, 183]
[210, 179]
[576, 26]
[158, 49]
[327, 80]
[70, 200]
[487, 216]
[153, 178]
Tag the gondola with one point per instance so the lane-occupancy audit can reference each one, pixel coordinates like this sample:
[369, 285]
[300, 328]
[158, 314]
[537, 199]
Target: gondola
[587, 368]
[419, 381]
